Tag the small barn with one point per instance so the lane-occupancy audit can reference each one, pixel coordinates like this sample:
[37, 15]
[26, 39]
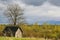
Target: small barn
[12, 31]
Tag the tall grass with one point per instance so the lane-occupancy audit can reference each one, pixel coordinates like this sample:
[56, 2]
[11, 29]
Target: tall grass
[13, 38]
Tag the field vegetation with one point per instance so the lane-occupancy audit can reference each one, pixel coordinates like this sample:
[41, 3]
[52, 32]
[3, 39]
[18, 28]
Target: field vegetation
[46, 31]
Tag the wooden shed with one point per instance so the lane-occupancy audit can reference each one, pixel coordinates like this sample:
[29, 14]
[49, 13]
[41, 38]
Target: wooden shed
[12, 31]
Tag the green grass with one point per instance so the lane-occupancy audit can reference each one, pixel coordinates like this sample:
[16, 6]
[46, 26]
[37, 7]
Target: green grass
[12, 38]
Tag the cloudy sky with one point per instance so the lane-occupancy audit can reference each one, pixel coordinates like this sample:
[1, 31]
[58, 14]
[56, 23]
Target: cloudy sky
[35, 10]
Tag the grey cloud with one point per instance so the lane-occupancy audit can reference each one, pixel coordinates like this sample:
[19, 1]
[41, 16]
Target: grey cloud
[5, 2]
[34, 2]
[55, 2]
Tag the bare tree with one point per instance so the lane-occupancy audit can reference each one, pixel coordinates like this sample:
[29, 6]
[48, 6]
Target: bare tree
[14, 13]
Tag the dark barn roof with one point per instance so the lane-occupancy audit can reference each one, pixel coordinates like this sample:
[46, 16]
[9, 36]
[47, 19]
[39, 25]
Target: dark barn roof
[12, 28]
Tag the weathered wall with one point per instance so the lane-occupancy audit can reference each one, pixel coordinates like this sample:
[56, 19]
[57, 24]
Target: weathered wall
[18, 33]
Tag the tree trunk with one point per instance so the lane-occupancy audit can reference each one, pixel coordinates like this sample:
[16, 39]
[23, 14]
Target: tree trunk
[15, 21]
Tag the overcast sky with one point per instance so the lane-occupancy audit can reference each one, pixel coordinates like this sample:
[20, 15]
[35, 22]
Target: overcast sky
[35, 10]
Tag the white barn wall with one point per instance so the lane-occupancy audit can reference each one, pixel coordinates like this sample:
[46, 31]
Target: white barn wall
[18, 33]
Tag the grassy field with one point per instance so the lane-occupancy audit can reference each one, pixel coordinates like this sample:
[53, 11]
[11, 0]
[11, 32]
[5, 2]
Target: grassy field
[12, 38]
